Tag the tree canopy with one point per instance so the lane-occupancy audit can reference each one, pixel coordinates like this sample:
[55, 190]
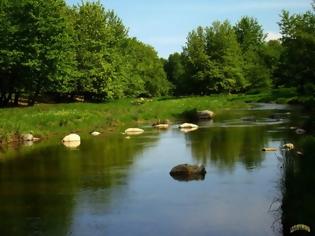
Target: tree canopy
[223, 58]
[50, 49]
[298, 58]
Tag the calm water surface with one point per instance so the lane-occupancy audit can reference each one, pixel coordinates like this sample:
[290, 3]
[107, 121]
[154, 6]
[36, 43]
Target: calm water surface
[111, 185]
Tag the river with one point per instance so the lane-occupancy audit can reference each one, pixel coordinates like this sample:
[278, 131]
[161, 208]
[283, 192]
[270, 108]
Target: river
[113, 185]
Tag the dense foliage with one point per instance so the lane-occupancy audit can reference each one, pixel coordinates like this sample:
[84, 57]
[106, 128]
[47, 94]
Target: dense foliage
[223, 58]
[297, 61]
[53, 51]
[48, 49]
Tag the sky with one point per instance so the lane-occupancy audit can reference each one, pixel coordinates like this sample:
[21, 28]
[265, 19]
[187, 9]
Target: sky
[165, 24]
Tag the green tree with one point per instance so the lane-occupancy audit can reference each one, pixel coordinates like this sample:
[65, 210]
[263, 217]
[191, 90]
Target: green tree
[251, 38]
[214, 59]
[146, 75]
[100, 36]
[10, 55]
[48, 47]
[271, 53]
[176, 73]
[249, 33]
[40, 54]
[298, 57]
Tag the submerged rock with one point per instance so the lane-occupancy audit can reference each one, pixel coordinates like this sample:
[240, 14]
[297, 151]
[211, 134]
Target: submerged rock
[186, 172]
[300, 131]
[72, 144]
[187, 130]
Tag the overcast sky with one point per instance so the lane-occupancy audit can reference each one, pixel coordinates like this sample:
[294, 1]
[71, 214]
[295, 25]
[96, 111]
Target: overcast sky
[165, 23]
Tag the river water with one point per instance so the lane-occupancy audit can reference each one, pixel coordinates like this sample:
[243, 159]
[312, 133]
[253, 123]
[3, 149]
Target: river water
[113, 185]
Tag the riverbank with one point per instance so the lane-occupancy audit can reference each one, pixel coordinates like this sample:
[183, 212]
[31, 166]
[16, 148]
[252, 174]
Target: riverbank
[44, 120]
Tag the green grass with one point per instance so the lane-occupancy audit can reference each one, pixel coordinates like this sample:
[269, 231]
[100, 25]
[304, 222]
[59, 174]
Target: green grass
[52, 119]
[44, 120]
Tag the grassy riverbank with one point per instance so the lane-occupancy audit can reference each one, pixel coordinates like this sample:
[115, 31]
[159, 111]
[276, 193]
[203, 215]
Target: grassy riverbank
[50, 119]
[44, 120]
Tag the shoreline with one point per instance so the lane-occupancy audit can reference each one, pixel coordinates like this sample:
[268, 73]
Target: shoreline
[45, 120]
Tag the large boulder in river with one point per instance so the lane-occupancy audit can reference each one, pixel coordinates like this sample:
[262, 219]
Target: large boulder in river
[186, 172]
[205, 115]
[71, 138]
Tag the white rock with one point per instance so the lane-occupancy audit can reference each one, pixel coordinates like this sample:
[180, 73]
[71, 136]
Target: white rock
[288, 146]
[95, 133]
[206, 114]
[27, 137]
[71, 138]
[162, 126]
[134, 131]
[188, 125]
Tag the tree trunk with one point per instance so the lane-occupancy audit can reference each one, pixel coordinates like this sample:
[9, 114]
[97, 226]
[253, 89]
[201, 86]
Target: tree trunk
[16, 98]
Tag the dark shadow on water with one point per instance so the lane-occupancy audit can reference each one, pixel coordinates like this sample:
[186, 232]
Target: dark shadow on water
[297, 187]
[188, 178]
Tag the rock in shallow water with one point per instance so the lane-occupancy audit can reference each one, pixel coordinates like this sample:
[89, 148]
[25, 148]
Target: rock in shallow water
[205, 115]
[186, 172]
[188, 125]
[71, 138]
[134, 131]
[27, 137]
[95, 133]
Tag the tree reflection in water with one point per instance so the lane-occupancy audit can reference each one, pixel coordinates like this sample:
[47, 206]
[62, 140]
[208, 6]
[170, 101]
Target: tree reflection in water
[297, 187]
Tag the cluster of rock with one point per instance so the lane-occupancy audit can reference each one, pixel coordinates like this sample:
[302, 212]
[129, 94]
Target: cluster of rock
[287, 147]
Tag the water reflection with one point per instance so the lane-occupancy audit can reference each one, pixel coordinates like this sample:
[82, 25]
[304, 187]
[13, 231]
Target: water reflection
[187, 178]
[224, 147]
[297, 187]
[38, 190]
[111, 185]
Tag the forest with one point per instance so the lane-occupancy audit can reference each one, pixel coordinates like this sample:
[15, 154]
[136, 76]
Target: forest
[50, 51]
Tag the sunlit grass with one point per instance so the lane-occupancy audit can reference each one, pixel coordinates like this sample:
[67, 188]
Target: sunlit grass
[49, 119]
